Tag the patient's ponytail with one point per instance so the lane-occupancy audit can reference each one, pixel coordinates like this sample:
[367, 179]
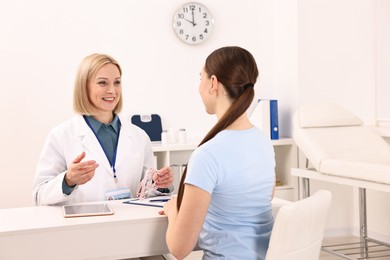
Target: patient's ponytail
[236, 69]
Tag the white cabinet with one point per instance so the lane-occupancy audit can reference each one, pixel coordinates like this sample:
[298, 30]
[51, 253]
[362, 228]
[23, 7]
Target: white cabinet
[286, 157]
[174, 155]
[177, 155]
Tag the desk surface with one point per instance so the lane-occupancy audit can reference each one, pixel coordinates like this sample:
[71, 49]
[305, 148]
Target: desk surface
[43, 233]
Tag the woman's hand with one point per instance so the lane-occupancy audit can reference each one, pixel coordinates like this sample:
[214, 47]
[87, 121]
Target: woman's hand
[80, 172]
[163, 178]
[169, 207]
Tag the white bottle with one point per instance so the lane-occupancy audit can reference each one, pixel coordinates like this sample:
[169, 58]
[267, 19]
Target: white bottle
[164, 137]
[182, 136]
[171, 136]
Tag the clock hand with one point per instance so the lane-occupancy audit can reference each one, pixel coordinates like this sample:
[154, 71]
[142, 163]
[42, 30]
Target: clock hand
[189, 21]
[193, 18]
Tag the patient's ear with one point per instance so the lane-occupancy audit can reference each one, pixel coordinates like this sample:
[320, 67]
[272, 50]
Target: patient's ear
[213, 84]
[216, 86]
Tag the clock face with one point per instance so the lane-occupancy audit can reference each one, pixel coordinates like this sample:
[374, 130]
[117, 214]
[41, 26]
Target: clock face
[193, 23]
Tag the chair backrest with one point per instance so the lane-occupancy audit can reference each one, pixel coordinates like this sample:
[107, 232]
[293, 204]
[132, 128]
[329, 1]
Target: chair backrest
[328, 131]
[299, 228]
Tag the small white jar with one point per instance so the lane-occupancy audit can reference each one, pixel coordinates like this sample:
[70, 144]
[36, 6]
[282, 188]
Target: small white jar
[171, 136]
[182, 136]
[164, 137]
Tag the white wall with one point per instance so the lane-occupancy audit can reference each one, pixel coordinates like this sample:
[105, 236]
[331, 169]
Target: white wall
[338, 61]
[383, 61]
[307, 50]
[42, 43]
[337, 54]
[378, 213]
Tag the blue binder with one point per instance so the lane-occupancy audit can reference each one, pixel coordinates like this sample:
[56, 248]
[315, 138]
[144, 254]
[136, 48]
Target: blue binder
[265, 117]
[274, 119]
[151, 124]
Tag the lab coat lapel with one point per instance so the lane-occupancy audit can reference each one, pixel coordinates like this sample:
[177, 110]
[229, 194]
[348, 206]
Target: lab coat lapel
[124, 142]
[92, 145]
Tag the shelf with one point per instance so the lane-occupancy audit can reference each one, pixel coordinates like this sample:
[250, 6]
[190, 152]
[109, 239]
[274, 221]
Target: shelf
[177, 155]
[284, 187]
[283, 141]
[159, 147]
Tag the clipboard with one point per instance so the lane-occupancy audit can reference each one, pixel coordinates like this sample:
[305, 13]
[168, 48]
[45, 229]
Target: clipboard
[151, 124]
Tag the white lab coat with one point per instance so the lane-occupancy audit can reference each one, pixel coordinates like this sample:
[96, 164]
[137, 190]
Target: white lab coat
[66, 141]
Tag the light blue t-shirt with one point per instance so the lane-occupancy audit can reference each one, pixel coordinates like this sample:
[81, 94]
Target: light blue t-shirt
[237, 167]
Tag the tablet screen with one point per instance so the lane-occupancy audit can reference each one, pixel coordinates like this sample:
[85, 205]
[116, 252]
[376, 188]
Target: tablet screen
[87, 210]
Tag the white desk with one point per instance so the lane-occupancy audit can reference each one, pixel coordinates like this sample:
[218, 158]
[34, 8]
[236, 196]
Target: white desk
[43, 233]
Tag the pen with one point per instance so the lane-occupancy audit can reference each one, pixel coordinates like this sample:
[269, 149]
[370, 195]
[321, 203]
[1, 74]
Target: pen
[159, 200]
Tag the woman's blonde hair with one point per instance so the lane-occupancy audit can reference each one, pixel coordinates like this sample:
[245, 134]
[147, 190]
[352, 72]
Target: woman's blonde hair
[88, 68]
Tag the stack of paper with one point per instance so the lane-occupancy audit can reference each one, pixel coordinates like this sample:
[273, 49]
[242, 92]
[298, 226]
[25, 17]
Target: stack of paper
[158, 201]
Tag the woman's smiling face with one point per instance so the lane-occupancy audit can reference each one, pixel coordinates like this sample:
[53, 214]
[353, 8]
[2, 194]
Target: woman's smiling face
[105, 89]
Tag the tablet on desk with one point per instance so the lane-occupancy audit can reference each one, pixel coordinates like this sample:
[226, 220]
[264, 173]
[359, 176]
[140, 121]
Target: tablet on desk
[87, 210]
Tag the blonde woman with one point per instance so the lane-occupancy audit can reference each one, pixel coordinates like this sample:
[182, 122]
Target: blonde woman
[96, 155]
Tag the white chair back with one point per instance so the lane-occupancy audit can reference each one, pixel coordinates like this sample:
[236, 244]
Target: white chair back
[299, 228]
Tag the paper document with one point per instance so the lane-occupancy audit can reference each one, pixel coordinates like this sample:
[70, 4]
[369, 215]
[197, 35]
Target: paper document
[158, 201]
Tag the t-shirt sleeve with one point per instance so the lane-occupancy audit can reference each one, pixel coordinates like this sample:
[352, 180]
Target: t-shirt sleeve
[202, 170]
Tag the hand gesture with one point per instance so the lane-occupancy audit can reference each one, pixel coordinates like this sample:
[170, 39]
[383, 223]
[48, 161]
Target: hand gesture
[80, 172]
[163, 178]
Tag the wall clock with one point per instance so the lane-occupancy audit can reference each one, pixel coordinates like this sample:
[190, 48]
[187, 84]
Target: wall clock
[193, 23]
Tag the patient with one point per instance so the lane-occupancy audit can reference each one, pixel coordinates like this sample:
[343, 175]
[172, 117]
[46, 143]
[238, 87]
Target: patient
[224, 200]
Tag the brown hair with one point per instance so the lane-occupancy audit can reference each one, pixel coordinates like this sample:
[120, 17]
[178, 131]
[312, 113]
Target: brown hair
[87, 69]
[236, 69]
